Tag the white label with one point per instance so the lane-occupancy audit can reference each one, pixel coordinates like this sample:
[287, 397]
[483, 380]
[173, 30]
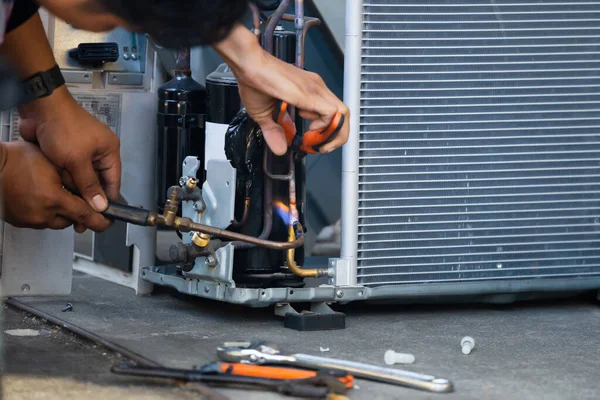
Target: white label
[105, 107]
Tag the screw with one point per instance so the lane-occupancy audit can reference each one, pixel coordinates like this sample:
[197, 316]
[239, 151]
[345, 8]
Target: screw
[134, 56]
[183, 180]
[211, 261]
[340, 293]
[391, 358]
[206, 289]
[467, 343]
[115, 78]
[126, 57]
[25, 288]
[69, 307]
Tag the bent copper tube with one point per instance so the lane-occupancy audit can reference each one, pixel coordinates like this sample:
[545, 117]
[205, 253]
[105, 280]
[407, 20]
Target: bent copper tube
[309, 22]
[255, 18]
[246, 212]
[272, 24]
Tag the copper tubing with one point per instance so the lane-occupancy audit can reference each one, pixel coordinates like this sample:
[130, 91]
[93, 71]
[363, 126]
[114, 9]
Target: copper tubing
[299, 24]
[268, 211]
[186, 225]
[246, 213]
[309, 22]
[272, 23]
[255, 19]
[287, 177]
[294, 268]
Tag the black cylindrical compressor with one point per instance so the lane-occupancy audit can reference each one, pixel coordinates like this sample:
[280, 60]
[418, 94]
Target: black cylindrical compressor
[223, 96]
[284, 44]
[181, 126]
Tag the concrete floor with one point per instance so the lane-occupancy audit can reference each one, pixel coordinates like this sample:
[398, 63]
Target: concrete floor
[541, 350]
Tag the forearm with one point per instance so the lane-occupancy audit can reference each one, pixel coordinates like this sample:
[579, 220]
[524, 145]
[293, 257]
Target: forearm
[240, 49]
[28, 50]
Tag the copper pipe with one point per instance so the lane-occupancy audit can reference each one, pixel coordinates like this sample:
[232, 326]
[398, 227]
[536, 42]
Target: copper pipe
[272, 23]
[255, 19]
[286, 177]
[268, 210]
[296, 270]
[299, 24]
[245, 215]
[309, 22]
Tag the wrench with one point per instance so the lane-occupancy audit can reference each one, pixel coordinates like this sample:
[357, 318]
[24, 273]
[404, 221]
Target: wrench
[264, 353]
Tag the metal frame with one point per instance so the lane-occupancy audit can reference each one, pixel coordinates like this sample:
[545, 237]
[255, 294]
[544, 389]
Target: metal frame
[350, 162]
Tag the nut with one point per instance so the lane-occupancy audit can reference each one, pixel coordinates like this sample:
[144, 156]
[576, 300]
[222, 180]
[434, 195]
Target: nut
[191, 183]
[183, 181]
[201, 239]
[211, 261]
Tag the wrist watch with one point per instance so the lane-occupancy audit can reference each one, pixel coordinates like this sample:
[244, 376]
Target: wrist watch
[41, 84]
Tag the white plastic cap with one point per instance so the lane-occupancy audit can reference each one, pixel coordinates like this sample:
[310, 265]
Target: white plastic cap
[391, 358]
[467, 344]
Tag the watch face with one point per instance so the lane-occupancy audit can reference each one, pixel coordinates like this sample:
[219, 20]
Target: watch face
[35, 87]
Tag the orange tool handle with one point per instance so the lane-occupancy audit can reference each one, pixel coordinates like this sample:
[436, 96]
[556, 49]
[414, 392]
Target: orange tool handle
[311, 141]
[260, 371]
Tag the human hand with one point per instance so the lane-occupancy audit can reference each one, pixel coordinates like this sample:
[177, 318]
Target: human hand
[83, 148]
[264, 79]
[33, 195]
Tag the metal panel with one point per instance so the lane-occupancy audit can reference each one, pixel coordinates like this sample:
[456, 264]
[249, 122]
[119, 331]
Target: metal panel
[479, 141]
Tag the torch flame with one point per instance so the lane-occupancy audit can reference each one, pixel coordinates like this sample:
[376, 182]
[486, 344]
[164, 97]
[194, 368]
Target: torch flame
[289, 216]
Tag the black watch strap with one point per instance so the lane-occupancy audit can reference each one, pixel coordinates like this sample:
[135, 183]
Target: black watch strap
[42, 84]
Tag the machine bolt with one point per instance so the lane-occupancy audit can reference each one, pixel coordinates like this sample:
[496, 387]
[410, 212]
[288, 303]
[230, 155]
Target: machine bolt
[340, 293]
[199, 206]
[211, 261]
[391, 357]
[69, 307]
[467, 343]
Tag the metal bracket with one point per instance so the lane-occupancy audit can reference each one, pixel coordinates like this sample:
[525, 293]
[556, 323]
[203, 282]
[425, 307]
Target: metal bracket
[342, 272]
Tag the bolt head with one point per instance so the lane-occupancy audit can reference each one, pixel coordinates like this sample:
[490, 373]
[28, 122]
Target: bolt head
[340, 293]
[206, 289]
[183, 180]
[211, 261]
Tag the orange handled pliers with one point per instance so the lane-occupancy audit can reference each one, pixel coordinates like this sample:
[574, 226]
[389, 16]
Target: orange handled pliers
[309, 142]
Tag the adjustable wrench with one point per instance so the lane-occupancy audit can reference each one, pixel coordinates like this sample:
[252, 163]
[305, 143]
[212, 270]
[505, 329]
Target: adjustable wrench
[263, 354]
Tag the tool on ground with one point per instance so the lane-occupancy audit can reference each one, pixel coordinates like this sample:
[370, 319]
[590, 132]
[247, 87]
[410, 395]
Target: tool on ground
[291, 383]
[309, 142]
[263, 353]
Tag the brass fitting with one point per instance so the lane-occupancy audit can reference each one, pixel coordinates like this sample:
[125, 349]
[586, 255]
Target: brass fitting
[201, 239]
[171, 207]
[191, 184]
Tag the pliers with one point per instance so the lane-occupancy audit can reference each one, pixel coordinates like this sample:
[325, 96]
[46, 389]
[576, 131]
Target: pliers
[286, 381]
[309, 142]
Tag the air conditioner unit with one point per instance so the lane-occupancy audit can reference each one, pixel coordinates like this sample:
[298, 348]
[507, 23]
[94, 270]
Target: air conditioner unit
[473, 166]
